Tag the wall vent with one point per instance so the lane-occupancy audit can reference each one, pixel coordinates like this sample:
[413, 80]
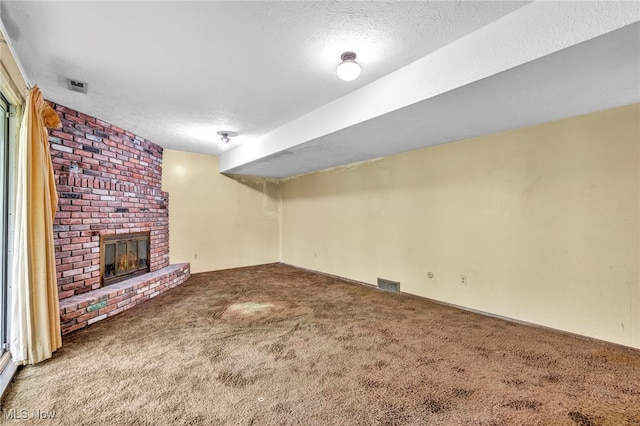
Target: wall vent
[388, 285]
[77, 86]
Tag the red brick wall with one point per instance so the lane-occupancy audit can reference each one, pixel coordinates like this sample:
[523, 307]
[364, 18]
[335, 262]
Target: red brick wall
[118, 190]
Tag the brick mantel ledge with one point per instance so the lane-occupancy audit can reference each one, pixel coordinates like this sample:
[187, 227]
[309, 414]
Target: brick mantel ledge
[85, 309]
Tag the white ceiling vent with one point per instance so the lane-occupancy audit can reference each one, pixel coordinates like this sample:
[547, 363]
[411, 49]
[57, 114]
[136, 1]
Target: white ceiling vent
[77, 85]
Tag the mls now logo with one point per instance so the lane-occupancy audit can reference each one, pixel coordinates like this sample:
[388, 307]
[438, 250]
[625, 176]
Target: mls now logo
[14, 414]
[23, 414]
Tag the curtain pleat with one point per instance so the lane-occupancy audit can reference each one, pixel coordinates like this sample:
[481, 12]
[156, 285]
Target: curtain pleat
[35, 318]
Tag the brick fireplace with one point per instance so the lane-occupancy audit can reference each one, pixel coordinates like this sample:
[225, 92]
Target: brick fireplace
[109, 187]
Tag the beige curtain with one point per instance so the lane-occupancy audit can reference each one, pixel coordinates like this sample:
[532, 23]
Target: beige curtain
[35, 318]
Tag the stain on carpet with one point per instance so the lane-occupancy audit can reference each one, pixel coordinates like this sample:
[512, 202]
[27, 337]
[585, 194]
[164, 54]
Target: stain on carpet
[520, 404]
[249, 308]
[581, 419]
[236, 380]
[434, 405]
[462, 393]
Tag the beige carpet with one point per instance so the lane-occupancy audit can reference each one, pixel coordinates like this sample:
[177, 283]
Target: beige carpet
[275, 345]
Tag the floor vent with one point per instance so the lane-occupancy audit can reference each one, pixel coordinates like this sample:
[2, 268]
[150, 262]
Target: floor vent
[388, 285]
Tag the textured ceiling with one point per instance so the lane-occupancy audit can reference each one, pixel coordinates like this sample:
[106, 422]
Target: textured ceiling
[546, 61]
[598, 74]
[177, 72]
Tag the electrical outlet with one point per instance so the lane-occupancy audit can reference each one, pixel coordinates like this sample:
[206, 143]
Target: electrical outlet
[463, 280]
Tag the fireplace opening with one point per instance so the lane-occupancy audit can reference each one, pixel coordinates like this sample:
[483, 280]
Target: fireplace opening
[123, 256]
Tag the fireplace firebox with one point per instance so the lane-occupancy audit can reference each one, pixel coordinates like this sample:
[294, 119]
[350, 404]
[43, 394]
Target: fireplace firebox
[123, 256]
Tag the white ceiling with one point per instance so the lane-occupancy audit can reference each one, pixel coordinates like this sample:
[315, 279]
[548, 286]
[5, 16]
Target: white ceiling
[599, 74]
[177, 72]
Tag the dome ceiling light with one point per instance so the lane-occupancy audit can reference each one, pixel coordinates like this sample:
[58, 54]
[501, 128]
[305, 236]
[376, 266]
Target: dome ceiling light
[349, 69]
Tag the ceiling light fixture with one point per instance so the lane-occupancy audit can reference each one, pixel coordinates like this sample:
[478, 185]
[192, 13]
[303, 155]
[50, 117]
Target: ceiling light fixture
[349, 69]
[226, 135]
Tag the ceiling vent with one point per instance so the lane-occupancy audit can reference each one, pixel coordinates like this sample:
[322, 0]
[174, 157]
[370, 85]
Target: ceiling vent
[77, 86]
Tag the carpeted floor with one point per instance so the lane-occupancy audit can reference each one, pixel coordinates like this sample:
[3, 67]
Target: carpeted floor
[275, 345]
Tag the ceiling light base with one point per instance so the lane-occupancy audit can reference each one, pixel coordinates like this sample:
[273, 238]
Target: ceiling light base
[226, 135]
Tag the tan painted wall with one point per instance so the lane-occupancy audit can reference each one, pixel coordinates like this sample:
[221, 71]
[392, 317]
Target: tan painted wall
[543, 221]
[216, 222]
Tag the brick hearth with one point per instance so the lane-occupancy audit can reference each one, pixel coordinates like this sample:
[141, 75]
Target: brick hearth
[80, 311]
[116, 190]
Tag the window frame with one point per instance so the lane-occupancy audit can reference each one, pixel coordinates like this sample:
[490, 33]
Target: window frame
[15, 110]
[5, 216]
